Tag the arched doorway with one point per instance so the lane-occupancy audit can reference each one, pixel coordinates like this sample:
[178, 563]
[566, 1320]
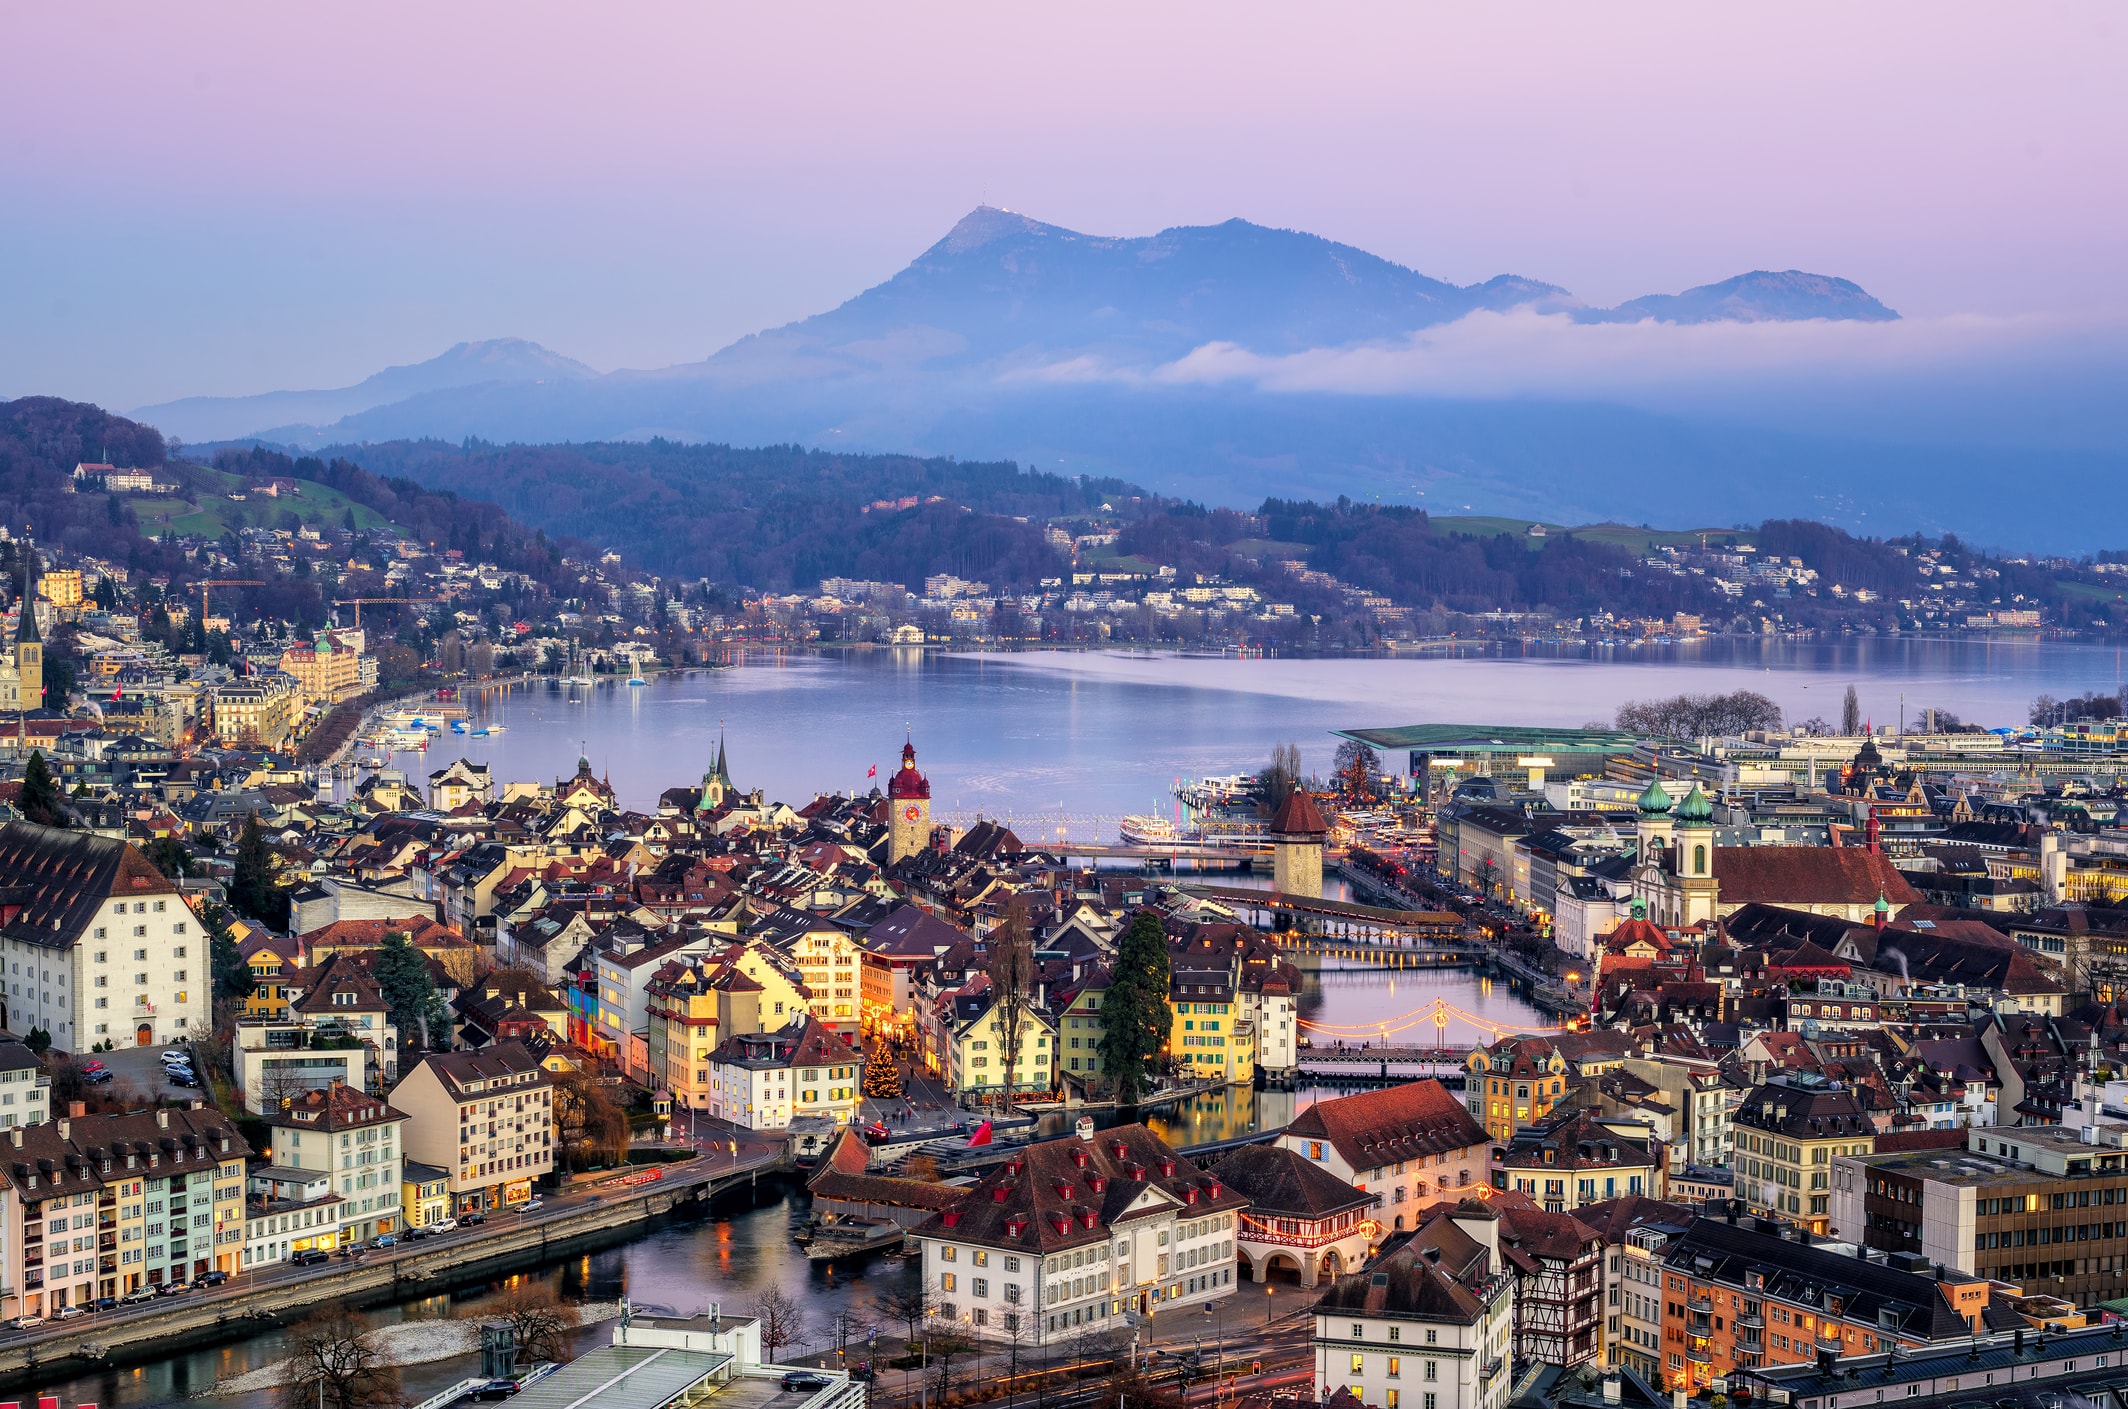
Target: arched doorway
[1333, 1267]
[1285, 1267]
[146, 1036]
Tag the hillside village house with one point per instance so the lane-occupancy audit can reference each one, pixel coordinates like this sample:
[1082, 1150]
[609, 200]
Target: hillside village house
[1407, 1146]
[485, 1118]
[1066, 1236]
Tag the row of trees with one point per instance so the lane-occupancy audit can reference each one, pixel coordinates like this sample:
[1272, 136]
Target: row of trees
[1686, 717]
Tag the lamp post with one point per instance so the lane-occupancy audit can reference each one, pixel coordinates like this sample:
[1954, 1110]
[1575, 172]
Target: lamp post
[1269, 1292]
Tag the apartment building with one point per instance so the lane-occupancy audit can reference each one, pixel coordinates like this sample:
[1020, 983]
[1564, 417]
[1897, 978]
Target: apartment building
[325, 671]
[1068, 1236]
[355, 1141]
[1429, 1326]
[1408, 1146]
[255, 711]
[2037, 1205]
[110, 1204]
[830, 964]
[764, 1081]
[1787, 1136]
[486, 1118]
[1301, 1217]
[1757, 1293]
[1581, 1158]
[25, 1091]
[694, 1003]
[1513, 1082]
[97, 945]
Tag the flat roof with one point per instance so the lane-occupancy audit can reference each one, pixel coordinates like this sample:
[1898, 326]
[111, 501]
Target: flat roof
[1492, 738]
[623, 1377]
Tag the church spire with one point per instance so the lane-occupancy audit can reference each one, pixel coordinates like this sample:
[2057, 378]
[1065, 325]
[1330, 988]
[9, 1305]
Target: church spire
[26, 626]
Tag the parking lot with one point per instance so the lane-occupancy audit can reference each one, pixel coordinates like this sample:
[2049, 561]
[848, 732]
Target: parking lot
[142, 1069]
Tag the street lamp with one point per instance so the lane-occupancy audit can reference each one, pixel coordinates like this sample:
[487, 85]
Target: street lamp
[1269, 1292]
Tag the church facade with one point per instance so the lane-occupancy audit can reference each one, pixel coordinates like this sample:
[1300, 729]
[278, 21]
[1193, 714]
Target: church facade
[22, 669]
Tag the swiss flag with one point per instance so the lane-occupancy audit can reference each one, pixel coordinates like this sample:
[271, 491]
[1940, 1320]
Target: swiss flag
[872, 772]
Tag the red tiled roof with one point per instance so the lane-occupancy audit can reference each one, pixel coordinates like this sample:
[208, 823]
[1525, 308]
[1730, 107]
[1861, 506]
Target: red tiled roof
[1808, 875]
[1374, 1128]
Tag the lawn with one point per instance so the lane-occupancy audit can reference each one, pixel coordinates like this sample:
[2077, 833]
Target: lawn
[212, 515]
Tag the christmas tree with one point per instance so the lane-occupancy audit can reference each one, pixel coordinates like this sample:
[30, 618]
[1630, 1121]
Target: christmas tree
[881, 1077]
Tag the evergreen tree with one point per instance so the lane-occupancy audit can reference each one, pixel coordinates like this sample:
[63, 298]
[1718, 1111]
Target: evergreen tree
[1135, 1014]
[40, 801]
[882, 1078]
[409, 992]
[251, 887]
[232, 976]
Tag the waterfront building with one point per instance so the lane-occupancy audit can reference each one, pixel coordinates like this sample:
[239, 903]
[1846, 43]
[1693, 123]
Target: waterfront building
[1301, 1218]
[99, 946]
[325, 671]
[461, 783]
[766, 1080]
[424, 1193]
[1407, 1146]
[1428, 1326]
[350, 1139]
[254, 711]
[1067, 1236]
[970, 1035]
[111, 1204]
[486, 1118]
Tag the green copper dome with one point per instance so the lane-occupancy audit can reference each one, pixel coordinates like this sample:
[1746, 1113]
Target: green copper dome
[1655, 800]
[1883, 906]
[1697, 809]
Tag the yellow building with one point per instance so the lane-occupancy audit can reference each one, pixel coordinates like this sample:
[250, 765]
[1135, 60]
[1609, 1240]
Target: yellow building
[1786, 1140]
[696, 1002]
[61, 587]
[1212, 1040]
[325, 672]
[974, 1048]
[256, 711]
[269, 967]
[1079, 1026]
[424, 1193]
[832, 963]
[1513, 1083]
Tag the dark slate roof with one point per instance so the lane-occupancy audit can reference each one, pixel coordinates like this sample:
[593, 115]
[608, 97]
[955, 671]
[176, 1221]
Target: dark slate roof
[1071, 1193]
[54, 881]
[1804, 1114]
[1436, 1275]
[1281, 1184]
[1716, 1250]
[505, 1059]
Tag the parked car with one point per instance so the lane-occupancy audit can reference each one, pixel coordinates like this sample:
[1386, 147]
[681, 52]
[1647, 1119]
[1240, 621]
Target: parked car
[534, 1205]
[310, 1258]
[804, 1379]
[176, 1054]
[443, 1225]
[104, 1303]
[420, 1235]
[384, 1240]
[24, 1323]
[136, 1298]
[473, 1220]
[171, 1289]
[184, 1078]
[97, 1078]
[210, 1279]
[91, 1065]
[68, 1313]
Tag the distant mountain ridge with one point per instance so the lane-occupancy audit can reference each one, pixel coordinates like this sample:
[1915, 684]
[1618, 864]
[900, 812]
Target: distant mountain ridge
[505, 360]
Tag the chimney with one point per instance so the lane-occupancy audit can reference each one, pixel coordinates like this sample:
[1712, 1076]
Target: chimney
[63, 1126]
[1482, 1225]
[76, 1109]
[162, 1120]
[17, 1133]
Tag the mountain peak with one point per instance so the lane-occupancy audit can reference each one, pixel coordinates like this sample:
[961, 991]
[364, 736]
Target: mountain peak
[987, 224]
[1758, 297]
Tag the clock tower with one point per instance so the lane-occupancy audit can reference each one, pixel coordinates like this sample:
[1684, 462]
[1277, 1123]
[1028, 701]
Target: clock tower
[909, 808]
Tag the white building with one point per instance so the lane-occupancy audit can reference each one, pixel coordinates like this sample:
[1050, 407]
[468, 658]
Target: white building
[25, 1091]
[354, 1140]
[1408, 1146]
[486, 1118]
[97, 945]
[1428, 1326]
[765, 1080]
[1067, 1236]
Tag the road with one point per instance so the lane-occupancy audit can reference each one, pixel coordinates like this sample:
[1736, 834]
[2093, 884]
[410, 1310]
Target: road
[243, 1284]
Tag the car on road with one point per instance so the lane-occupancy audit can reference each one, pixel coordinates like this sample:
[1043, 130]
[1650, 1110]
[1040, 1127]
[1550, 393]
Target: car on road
[420, 1235]
[136, 1298]
[104, 1303]
[310, 1258]
[862, 1373]
[473, 1220]
[443, 1225]
[805, 1379]
[172, 1289]
[68, 1313]
[534, 1205]
[24, 1323]
[384, 1240]
[210, 1279]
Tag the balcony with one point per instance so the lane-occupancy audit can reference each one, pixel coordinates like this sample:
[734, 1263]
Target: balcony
[106, 1242]
[1491, 1368]
[1698, 1355]
[1751, 1320]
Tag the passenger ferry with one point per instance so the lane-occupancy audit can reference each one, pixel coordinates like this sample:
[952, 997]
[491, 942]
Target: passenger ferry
[1150, 829]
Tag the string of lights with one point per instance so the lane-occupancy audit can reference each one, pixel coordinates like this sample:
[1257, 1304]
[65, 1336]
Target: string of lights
[1440, 1012]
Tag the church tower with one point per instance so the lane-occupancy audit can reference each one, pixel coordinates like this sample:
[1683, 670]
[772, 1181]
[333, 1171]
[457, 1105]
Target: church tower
[909, 804]
[1695, 856]
[29, 650]
[716, 783]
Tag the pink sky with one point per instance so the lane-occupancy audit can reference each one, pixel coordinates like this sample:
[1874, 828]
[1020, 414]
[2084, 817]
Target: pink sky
[240, 197]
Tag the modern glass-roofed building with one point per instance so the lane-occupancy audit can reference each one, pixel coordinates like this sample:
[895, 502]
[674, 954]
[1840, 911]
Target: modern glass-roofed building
[1497, 748]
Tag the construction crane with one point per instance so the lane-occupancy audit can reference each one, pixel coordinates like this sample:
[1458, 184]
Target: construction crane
[358, 603]
[221, 582]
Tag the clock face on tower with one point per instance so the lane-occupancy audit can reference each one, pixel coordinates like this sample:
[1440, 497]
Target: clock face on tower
[912, 813]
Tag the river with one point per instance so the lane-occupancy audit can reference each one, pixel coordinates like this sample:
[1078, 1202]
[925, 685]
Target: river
[1071, 742]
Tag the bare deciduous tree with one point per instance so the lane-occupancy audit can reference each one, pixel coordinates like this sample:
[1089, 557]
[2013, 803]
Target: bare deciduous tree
[539, 1320]
[1012, 982]
[782, 1323]
[908, 1303]
[335, 1361]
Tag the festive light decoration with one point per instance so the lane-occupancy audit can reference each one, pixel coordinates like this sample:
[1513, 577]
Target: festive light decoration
[1440, 1012]
[882, 1078]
